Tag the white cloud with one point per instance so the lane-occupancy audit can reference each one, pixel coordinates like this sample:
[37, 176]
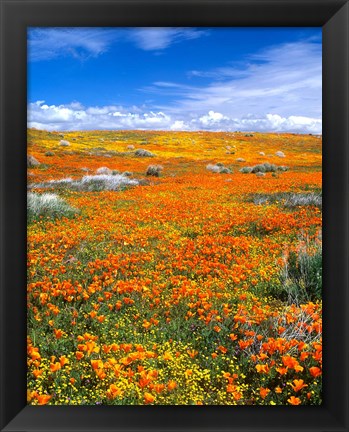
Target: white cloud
[212, 118]
[159, 38]
[276, 123]
[285, 80]
[48, 43]
[71, 117]
[76, 117]
[45, 43]
[179, 125]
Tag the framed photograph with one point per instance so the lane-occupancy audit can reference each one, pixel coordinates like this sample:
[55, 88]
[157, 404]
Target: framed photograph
[175, 247]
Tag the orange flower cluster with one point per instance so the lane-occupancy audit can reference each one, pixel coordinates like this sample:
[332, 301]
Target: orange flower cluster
[175, 291]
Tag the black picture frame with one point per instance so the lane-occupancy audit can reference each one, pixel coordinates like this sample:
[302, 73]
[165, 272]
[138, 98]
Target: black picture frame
[16, 16]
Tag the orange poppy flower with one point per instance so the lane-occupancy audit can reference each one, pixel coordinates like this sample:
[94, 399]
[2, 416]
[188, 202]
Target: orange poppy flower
[292, 363]
[63, 360]
[231, 388]
[37, 372]
[43, 399]
[171, 385]
[55, 366]
[294, 400]
[264, 392]
[97, 364]
[79, 355]
[167, 356]
[146, 324]
[262, 368]
[192, 353]
[58, 333]
[114, 392]
[315, 371]
[143, 382]
[298, 385]
[148, 398]
[159, 388]
[222, 349]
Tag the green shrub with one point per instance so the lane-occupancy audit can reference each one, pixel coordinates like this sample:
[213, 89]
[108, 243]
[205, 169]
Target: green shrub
[246, 170]
[259, 168]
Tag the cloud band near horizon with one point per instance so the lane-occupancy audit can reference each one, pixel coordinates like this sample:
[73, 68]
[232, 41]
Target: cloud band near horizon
[75, 116]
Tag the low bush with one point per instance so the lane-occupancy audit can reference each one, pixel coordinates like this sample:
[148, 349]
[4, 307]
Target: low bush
[301, 275]
[287, 199]
[263, 168]
[90, 183]
[104, 170]
[280, 154]
[246, 170]
[218, 168]
[154, 170]
[143, 153]
[47, 205]
[32, 162]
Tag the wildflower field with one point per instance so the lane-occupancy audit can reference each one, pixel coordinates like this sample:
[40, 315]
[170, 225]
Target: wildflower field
[174, 268]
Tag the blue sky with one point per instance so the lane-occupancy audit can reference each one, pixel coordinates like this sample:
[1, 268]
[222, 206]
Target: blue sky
[217, 79]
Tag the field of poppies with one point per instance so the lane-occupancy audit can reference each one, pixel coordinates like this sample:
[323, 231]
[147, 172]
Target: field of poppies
[174, 268]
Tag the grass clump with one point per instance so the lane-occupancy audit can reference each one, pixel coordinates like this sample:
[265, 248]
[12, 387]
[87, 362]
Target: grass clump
[32, 162]
[154, 170]
[143, 153]
[289, 200]
[301, 275]
[263, 168]
[104, 170]
[218, 168]
[48, 205]
[106, 182]
[280, 154]
[90, 183]
[246, 170]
